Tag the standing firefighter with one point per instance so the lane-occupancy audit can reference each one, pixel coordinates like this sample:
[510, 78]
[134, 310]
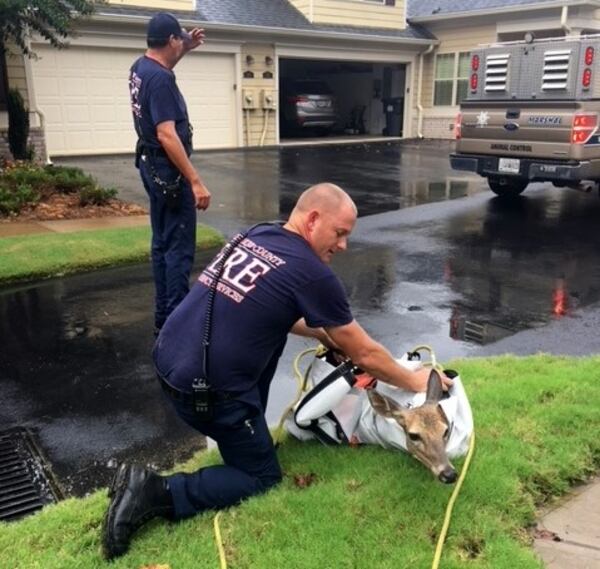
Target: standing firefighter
[164, 145]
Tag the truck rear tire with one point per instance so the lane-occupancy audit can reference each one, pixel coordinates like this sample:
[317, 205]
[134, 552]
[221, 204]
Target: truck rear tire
[507, 187]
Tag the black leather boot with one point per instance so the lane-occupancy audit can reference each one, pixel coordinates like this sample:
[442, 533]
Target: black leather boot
[137, 495]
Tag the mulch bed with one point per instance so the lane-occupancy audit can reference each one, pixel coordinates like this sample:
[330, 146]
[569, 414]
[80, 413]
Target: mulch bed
[66, 206]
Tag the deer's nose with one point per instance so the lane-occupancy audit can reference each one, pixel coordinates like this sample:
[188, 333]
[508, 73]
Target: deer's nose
[448, 475]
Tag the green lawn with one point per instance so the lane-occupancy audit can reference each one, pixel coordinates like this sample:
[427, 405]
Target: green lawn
[536, 421]
[55, 254]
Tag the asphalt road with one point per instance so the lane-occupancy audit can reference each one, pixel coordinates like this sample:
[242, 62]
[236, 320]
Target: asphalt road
[435, 258]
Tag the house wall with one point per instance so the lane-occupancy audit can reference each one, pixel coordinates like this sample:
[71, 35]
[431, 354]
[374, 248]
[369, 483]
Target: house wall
[438, 120]
[170, 5]
[354, 13]
[254, 120]
[17, 79]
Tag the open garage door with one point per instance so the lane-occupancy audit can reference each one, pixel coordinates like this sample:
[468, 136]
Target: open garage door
[83, 94]
[332, 98]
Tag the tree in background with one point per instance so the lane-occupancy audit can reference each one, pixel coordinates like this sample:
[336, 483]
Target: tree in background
[54, 20]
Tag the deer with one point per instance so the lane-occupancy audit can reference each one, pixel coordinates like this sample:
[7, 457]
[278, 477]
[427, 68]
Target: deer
[432, 427]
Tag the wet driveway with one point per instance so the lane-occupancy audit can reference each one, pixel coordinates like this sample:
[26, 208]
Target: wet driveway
[462, 272]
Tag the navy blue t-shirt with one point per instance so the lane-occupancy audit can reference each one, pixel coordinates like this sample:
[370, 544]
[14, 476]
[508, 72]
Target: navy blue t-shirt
[155, 98]
[272, 279]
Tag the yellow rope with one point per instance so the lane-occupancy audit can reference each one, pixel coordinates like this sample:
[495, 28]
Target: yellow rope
[442, 538]
[219, 541]
[302, 380]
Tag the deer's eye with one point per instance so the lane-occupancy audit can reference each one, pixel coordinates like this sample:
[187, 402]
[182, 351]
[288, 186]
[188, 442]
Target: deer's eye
[446, 433]
[414, 437]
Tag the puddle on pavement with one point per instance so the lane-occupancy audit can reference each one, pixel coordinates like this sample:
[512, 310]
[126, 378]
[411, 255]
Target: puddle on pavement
[75, 363]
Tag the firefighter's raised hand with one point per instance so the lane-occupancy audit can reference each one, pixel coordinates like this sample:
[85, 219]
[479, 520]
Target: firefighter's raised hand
[196, 39]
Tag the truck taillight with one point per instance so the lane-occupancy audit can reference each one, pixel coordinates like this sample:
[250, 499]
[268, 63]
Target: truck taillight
[458, 127]
[474, 82]
[589, 55]
[586, 79]
[584, 126]
[475, 63]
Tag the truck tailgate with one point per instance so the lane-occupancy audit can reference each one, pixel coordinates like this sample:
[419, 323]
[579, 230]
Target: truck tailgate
[533, 129]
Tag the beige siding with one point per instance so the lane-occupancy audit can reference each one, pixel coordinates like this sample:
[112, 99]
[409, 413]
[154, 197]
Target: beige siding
[15, 71]
[158, 4]
[353, 13]
[303, 6]
[452, 40]
[254, 120]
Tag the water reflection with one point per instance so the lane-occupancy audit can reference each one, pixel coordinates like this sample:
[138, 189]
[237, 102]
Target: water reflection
[75, 368]
[524, 264]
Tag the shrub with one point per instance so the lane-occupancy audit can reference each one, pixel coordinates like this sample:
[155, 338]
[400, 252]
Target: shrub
[96, 195]
[69, 180]
[27, 174]
[12, 200]
[18, 126]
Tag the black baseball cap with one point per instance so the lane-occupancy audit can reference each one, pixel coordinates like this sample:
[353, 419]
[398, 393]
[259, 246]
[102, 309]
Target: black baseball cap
[164, 25]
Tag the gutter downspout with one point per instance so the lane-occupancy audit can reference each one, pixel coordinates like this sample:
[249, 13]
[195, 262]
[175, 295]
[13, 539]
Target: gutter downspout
[420, 90]
[564, 15]
[33, 104]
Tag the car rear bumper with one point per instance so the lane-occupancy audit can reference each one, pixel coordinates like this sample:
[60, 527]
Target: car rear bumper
[529, 168]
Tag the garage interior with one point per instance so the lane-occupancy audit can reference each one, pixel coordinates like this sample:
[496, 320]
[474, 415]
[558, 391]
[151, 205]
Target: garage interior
[369, 96]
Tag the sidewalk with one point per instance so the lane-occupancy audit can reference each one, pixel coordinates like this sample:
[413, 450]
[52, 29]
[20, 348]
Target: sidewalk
[71, 225]
[571, 531]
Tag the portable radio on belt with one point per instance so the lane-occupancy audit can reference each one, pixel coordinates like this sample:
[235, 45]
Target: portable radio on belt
[202, 392]
[203, 399]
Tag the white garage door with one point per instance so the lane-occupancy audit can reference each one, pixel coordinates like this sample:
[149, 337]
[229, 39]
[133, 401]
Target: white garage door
[83, 93]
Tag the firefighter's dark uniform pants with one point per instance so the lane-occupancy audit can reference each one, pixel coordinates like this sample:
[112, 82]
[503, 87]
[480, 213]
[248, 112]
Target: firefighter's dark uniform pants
[250, 461]
[173, 239]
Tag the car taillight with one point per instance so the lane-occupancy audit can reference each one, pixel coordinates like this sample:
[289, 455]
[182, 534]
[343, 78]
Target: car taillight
[299, 99]
[458, 127]
[586, 79]
[589, 55]
[475, 63]
[474, 82]
[584, 126]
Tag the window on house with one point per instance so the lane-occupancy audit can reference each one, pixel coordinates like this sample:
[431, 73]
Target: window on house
[3, 82]
[451, 82]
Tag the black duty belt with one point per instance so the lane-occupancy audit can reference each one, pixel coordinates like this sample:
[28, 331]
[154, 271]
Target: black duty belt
[188, 398]
[154, 152]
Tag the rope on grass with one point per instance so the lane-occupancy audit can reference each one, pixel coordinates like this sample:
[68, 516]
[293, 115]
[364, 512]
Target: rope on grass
[219, 541]
[450, 506]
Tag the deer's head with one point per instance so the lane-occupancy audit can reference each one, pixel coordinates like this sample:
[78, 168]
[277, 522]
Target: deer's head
[426, 427]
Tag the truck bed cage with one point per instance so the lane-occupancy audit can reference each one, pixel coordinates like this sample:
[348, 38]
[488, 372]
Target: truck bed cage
[539, 41]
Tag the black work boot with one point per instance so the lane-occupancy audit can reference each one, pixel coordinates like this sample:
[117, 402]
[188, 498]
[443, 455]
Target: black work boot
[137, 495]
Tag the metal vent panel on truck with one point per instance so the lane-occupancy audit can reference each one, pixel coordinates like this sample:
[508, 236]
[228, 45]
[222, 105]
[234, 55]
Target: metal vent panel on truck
[496, 72]
[556, 69]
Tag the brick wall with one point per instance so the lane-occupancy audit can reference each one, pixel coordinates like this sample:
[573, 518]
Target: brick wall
[36, 139]
[438, 128]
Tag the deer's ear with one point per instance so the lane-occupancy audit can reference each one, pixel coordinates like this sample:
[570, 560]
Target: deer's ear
[384, 405]
[434, 387]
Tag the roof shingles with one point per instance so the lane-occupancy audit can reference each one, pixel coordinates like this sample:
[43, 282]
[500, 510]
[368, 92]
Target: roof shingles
[422, 8]
[268, 14]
